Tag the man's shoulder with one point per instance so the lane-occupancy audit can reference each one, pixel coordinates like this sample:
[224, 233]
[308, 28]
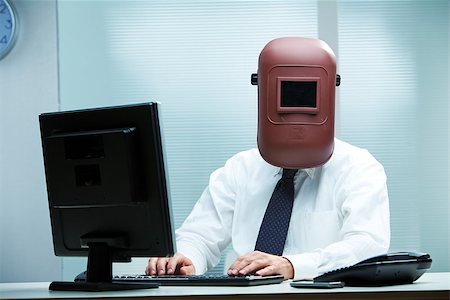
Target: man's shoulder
[250, 159]
[353, 165]
[348, 154]
[248, 156]
[341, 147]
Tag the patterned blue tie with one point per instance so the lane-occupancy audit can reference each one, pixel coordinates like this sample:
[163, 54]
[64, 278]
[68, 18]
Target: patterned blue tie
[274, 227]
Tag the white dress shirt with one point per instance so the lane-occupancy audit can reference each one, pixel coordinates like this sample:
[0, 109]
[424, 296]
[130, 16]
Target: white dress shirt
[340, 214]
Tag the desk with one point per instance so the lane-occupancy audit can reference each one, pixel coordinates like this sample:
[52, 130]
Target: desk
[430, 286]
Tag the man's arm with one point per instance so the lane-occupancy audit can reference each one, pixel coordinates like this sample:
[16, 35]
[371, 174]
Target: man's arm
[363, 203]
[207, 229]
[365, 232]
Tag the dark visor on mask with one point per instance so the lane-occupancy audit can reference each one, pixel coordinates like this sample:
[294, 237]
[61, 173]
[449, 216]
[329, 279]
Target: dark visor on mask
[298, 93]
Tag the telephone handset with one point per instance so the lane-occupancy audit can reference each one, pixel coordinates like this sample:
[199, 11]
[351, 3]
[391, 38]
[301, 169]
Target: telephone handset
[387, 269]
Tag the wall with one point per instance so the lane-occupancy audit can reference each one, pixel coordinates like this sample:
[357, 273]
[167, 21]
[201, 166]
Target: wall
[28, 87]
[394, 100]
[392, 56]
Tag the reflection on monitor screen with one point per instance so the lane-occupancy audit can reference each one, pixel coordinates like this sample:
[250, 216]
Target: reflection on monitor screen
[107, 188]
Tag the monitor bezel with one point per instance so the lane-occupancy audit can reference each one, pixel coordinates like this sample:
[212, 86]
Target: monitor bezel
[118, 116]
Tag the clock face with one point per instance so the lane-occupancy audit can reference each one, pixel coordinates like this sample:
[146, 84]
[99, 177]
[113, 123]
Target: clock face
[7, 27]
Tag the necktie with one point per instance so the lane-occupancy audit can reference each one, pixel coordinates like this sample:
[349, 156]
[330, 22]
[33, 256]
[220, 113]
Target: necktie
[274, 227]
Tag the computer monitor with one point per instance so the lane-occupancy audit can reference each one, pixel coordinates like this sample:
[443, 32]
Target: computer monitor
[107, 188]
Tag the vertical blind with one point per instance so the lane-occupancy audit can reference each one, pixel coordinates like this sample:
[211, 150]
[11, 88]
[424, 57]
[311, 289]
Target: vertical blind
[394, 101]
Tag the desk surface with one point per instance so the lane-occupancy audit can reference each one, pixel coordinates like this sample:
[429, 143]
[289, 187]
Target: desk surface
[429, 286]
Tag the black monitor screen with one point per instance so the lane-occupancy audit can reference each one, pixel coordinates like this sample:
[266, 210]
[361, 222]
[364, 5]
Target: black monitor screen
[107, 184]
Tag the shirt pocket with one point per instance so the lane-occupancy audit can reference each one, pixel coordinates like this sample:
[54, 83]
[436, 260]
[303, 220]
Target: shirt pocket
[314, 230]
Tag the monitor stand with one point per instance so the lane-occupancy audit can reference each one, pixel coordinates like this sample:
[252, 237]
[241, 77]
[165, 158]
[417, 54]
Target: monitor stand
[98, 274]
[98, 286]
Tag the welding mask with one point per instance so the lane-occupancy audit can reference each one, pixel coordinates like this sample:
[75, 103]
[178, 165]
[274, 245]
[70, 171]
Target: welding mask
[296, 98]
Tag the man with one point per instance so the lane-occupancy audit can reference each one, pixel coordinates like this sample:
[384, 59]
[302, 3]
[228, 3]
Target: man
[302, 204]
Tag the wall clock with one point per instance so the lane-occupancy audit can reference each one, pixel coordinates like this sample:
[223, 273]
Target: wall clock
[8, 27]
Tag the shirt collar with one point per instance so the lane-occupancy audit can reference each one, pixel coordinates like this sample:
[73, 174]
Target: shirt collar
[309, 171]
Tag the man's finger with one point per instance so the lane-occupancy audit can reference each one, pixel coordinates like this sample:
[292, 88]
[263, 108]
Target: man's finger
[175, 262]
[268, 270]
[151, 266]
[243, 261]
[234, 265]
[253, 267]
[187, 270]
[161, 266]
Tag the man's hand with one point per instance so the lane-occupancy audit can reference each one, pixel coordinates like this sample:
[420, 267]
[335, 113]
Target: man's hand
[261, 264]
[178, 264]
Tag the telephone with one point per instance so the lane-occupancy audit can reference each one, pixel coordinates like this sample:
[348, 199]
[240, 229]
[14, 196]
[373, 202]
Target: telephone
[388, 269]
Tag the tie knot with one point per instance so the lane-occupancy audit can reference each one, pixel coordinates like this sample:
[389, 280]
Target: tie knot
[288, 174]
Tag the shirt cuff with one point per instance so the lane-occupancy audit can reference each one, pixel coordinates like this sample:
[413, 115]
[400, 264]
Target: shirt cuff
[191, 252]
[306, 265]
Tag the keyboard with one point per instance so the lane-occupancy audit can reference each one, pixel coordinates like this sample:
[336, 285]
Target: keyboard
[211, 280]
